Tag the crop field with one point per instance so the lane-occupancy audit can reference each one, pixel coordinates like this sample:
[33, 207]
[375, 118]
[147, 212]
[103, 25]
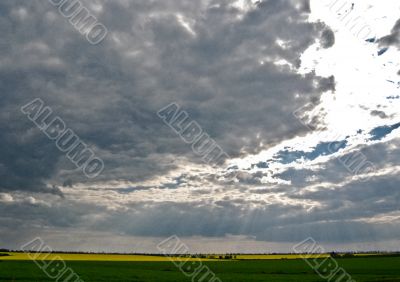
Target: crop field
[83, 257]
[151, 268]
[120, 257]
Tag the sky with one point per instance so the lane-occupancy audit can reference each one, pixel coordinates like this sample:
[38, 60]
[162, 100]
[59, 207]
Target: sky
[301, 97]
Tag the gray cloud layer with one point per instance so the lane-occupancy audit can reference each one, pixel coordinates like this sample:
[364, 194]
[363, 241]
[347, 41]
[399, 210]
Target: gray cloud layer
[223, 65]
[109, 94]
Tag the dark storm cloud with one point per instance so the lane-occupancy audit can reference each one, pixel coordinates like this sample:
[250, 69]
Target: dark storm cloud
[328, 38]
[380, 114]
[109, 93]
[306, 6]
[393, 38]
[218, 63]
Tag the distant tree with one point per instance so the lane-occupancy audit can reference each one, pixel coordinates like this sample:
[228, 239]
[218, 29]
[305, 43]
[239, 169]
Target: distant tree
[334, 255]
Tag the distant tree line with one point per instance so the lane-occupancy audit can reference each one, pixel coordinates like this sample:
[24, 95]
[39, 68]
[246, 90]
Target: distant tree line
[227, 256]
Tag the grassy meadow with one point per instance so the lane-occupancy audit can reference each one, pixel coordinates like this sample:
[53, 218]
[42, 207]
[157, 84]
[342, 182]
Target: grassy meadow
[246, 268]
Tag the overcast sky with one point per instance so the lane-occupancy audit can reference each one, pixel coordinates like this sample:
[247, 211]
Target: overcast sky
[295, 92]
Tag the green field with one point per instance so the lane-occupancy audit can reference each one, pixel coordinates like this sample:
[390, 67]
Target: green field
[361, 269]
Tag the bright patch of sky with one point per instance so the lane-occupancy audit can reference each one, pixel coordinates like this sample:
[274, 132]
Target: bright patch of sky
[364, 106]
